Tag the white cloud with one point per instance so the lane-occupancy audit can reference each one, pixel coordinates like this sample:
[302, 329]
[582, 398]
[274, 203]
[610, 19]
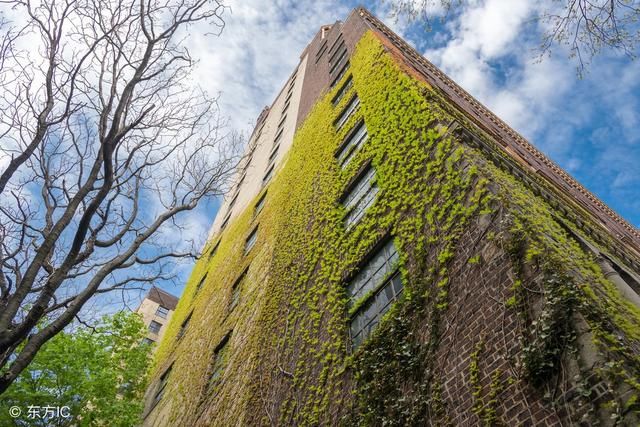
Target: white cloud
[258, 49]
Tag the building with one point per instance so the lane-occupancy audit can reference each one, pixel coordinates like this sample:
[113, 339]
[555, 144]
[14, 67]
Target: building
[156, 310]
[395, 254]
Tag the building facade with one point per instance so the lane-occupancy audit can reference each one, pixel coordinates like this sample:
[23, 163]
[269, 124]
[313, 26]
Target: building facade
[394, 254]
[156, 310]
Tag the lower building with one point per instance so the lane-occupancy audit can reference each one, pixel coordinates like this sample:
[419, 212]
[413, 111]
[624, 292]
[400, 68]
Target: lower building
[394, 254]
[156, 310]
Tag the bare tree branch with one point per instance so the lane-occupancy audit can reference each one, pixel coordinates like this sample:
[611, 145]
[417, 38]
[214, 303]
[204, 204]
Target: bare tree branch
[108, 144]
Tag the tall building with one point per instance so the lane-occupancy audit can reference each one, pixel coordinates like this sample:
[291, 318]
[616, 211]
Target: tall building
[395, 254]
[156, 310]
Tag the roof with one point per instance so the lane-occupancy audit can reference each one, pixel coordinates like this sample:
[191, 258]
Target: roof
[163, 298]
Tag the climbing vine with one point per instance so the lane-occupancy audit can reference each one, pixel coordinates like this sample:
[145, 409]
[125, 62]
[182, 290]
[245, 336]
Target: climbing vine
[289, 358]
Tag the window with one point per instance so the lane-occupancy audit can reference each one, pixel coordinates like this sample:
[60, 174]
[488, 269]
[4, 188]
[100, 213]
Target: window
[380, 283]
[360, 196]
[233, 201]
[321, 51]
[268, 176]
[251, 240]
[347, 112]
[352, 143]
[214, 250]
[164, 379]
[148, 341]
[340, 74]
[284, 117]
[258, 207]
[276, 140]
[154, 327]
[335, 53]
[336, 43]
[342, 92]
[287, 99]
[184, 326]
[201, 282]
[162, 312]
[225, 222]
[274, 154]
[236, 289]
[334, 67]
[218, 362]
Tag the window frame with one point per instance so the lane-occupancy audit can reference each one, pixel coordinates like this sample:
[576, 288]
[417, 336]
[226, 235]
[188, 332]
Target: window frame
[348, 84]
[217, 365]
[153, 329]
[345, 145]
[347, 112]
[183, 327]
[259, 205]
[162, 384]
[236, 289]
[268, 175]
[202, 280]
[340, 74]
[354, 188]
[253, 237]
[391, 264]
[164, 310]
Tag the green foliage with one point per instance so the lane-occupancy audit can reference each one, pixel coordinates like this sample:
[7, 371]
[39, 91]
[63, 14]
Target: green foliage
[100, 374]
[289, 359]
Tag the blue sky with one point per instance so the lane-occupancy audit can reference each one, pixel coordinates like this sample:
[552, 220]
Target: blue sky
[589, 126]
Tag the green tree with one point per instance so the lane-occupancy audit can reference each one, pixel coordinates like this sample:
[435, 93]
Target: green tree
[99, 373]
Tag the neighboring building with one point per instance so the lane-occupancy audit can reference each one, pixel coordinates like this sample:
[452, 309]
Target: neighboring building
[156, 310]
[394, 254]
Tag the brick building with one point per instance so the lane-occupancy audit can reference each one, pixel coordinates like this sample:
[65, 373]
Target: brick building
[393, 253]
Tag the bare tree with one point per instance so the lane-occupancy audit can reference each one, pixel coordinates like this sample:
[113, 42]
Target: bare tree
[105, 141]
[585, 27]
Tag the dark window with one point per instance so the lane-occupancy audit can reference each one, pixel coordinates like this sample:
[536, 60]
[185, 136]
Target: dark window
[267, 176]
[162, 312]
[343, 90]
[154, 327]
[340, 74]
[214, 250]
[251, 240]
[352, 143]
[323, 47]
[233, 201]
[148, 341]
[236, 290]
[368, 316]
[360, 196]
[201, 282]
[338, 61]
[276, 140]
[274, 154]
[164, 379]
[336, 52]
[281, 124]
[225, 222]
[218, 363]
[184, 326]
[379, 283]
[336, 43]
[347, 112]
[258, 207]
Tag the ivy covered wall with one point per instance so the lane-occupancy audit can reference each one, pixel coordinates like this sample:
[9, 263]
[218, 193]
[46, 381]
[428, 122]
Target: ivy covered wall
[504, 317]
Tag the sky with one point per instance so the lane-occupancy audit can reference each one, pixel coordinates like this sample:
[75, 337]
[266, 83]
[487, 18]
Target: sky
[588, 125]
